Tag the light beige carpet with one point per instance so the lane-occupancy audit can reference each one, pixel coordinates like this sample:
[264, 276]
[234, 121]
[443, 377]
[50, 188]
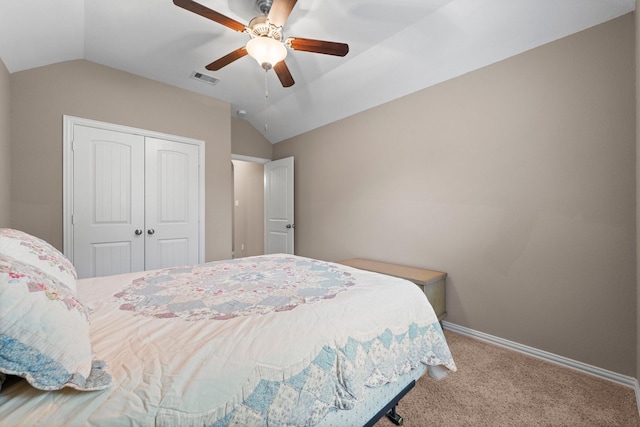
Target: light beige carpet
[495, 386]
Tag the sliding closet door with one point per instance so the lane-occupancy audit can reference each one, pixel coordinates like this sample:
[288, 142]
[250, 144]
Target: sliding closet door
[108, 202]
[172, 192]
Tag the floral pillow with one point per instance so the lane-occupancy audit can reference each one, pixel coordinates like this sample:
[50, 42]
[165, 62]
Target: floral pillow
[44, 331]
[37, 252]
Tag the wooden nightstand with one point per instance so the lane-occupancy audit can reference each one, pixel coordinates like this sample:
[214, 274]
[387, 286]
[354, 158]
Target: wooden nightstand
[430, 281]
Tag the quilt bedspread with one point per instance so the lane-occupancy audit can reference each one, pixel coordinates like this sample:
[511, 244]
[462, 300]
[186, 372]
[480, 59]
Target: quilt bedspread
[270, 340]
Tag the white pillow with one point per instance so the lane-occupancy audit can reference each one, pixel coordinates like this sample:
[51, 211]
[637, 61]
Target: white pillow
[32, 250]
[44, 331]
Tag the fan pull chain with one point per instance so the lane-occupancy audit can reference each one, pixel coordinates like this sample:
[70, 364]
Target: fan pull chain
[266, 99]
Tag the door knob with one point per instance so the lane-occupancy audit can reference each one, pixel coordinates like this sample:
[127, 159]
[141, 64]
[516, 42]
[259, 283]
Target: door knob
[150, 231]
[138, 232]
[290, 226]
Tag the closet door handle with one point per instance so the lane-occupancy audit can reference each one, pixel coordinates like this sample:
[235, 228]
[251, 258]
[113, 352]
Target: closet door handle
[138, 232]
[150, 231]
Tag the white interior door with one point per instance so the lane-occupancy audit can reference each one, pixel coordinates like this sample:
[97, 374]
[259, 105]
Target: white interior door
[278, 207]
[171, 177]
[108, 202]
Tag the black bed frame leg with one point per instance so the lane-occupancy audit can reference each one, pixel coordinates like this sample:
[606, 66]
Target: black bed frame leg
[390, 408]
[394, 416]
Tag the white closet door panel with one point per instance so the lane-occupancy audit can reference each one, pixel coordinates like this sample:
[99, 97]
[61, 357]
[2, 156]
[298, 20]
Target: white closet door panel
[108, 202]
[174, 252]
[172, 203]
[111, 258]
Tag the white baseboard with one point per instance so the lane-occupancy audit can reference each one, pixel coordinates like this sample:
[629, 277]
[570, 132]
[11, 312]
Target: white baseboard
[637, 387]
[550, 357]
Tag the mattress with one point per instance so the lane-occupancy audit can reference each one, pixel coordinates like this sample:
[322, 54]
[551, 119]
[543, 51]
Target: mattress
[269, 340]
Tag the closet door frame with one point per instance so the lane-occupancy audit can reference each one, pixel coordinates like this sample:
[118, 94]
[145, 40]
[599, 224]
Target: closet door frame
[67, 170]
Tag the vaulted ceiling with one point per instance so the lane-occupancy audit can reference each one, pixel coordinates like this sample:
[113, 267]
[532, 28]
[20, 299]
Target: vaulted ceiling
[396, 47]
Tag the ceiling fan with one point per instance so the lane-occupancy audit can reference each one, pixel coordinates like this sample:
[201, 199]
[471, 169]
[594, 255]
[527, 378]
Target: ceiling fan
[266, 45]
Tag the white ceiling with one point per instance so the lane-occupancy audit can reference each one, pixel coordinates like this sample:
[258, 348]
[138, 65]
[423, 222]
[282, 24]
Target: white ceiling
[396, 46]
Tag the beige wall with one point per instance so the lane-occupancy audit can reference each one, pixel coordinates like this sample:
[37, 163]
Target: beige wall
[248, 209]
[40, 97]
[247, 141]
[637, 56]
[5, 154]
[517, 179]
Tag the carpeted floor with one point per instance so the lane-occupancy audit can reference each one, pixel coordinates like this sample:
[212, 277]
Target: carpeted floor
[495, 386]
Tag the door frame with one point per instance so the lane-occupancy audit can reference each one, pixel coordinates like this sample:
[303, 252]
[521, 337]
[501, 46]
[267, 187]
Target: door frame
[67, 174]
[250, 159]
[259, 160]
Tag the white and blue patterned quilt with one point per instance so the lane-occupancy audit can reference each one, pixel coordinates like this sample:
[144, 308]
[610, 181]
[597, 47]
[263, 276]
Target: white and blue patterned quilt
[275, 340]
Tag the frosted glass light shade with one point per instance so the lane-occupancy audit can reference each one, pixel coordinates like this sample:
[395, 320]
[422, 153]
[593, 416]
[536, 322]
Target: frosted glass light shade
[267, 51]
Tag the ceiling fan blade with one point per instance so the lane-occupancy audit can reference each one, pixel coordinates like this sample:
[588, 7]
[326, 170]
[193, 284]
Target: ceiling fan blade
[318, 46]
[227, 59]
[201, 10]
[283, 73]
[280, 10]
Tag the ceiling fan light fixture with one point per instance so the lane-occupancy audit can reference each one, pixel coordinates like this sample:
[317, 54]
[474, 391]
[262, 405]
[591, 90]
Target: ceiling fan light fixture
[266, 51]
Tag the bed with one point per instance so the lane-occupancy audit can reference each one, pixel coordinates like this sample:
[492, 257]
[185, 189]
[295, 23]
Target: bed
[274, 340]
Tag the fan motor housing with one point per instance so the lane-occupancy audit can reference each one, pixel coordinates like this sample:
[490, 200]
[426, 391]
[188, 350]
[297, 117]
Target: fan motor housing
[260, 27]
